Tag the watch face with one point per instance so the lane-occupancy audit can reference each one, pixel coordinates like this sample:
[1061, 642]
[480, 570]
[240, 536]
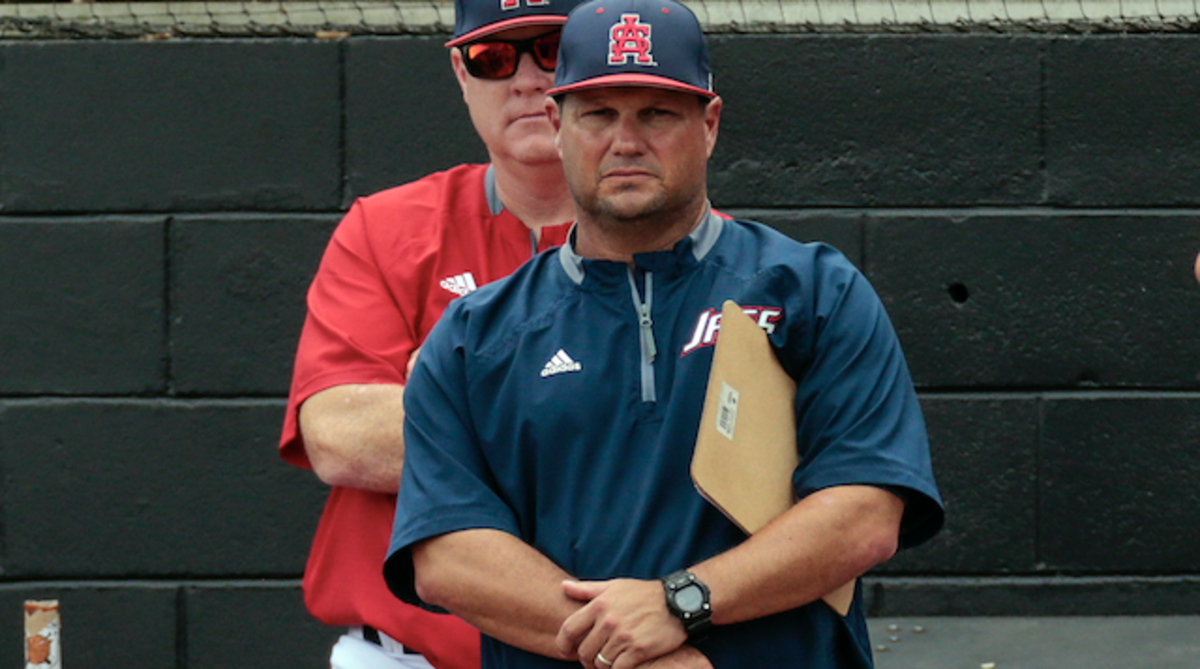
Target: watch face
[689, 598]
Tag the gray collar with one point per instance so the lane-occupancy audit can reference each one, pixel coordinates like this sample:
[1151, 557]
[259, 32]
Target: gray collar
[703, 238]
[489, 191]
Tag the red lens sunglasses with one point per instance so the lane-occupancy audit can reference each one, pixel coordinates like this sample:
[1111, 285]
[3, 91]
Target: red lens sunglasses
[498, 59]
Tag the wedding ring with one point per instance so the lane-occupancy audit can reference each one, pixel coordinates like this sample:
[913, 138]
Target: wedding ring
[603, 660]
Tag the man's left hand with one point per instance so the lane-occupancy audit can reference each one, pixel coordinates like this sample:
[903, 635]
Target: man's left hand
[684, 657]
[625, 622]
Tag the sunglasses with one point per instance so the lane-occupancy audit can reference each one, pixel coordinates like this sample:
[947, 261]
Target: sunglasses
[498, 59]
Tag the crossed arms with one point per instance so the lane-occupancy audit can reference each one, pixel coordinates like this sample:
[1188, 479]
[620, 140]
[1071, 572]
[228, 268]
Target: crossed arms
[511, 592]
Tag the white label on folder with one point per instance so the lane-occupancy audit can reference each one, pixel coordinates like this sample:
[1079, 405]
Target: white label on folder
[727, 406]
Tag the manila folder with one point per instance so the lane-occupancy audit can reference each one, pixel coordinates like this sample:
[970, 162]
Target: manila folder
[746, 448]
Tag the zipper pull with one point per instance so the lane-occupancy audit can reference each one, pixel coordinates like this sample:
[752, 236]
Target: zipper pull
[647, 331]
[645, 321]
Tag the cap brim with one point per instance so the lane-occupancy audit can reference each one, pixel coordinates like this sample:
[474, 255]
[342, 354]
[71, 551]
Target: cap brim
[518, 22]
[629, 79]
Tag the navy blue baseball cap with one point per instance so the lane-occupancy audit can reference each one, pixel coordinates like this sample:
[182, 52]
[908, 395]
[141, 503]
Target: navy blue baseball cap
[474, 19]
[655, 43]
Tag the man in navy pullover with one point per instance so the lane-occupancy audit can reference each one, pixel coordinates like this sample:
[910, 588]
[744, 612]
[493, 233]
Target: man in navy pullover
[546, 496]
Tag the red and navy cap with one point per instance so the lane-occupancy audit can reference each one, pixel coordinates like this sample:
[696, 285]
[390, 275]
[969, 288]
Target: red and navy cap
[655, 43]
[474, 19]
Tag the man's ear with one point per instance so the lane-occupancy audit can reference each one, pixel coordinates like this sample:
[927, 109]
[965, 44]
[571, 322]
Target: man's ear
[712, 123]
[460, 71]
[553, 113]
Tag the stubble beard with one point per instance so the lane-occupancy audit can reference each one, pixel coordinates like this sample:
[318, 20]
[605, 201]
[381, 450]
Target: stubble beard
[621, 210]
[656, 210]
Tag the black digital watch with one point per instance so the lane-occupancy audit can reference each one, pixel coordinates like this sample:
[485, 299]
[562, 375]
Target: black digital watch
[688, 600]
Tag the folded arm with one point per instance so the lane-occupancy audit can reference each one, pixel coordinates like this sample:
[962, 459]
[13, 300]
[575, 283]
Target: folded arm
[827, 539]
[354, 435]
[511, 592]
[497, 583]
[824, 541]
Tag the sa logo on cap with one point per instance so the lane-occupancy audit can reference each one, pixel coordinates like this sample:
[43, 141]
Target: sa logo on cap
[630, 38]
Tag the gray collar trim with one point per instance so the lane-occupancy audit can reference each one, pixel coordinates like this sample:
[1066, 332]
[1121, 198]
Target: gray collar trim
[572, 264]
[704, 237]
[489, 191]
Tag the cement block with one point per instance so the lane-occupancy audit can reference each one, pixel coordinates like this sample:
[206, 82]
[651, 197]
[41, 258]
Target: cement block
[191, 125]
[876, 120]
[103, 625]
[1121, 121]
[254, 627]
[1117, 484]
[405, 116]
[151, 488]
[238, 287]
[1105, 300]
[82, 306]
[1032, 596]
[985, 460]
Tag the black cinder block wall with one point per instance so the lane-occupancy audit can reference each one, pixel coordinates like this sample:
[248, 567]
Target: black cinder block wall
[1027, 207]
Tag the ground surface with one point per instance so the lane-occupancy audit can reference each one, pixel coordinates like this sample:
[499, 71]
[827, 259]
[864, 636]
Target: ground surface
[1145, 642]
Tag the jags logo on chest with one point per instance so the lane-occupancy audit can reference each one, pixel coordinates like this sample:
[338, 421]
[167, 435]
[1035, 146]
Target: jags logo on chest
[709, 324]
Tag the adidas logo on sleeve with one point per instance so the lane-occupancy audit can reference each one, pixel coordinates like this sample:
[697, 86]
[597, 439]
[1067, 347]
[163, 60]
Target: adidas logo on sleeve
[561, 363]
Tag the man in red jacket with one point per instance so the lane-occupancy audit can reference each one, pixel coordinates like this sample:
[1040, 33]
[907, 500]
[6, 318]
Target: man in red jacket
[394, 263]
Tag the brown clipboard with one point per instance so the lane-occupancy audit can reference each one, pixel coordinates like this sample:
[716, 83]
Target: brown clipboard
[746, 447]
